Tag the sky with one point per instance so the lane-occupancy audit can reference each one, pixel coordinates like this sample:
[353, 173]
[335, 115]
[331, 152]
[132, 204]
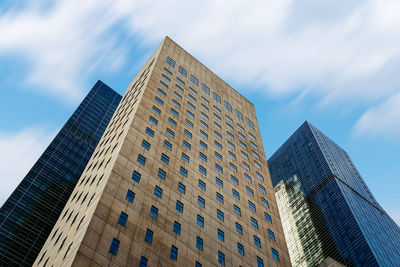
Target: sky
[334, 63]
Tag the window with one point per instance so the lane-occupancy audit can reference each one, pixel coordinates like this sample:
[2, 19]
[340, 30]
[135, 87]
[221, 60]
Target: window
[182, 71]
[248, 178]
[271, 235]
[205, 125]
[158, 191]
[194, 80]
[218, 135]
[192, 98]
[177, 228]
[188, 134]
[203, 145]
[220, 197]
[200, 221]
[174, 253]
[239, 115]
[198, 264]
[149, 236]
[254, 222]
[250, 123]
[156, 110]
[219, 182]
[149, 132]
[217, 98]
[170, 62]
[181, 82]
[167, 71]
[259, 176]
[153, 120]
[185, 157]
[174, 112]
[220, 215]
[264, 202]
[165, 78]
[244, 155]
[177, 95]
[275, 254]
[230, 135]
[159, 101]
[267, 217]
[257, 241]
[179, 206]
[167, 145]
[221, 258]
[182, 188]
[240, 127]
[221, 235]
[262, 188]
[192, 90]
[231, 145]
[67, 252]
[170, 133]
[218, 126]
[205, 100]
[260, 262]
[240, 249]
[186, 145]
[246, 166]
[218, 145]
[236, 209]
[228, 106]
[233, 156]
[123, 217]
[205, 89]
[234, 180]
[183, 172]
[114, 246]
[218, 156]
[146, 145]
[239, 228]
[258, 165]
[161, 92]
[202, 157]
[164, 158]
[202, 170]
[143, 262]
[233, 167]
[190, 114]
[136, 176]
[235, 194]
[201, 201]
[130, 196]
[203, 106]
[199, 243]
[228, 118]
[202, 185]
[202, 133]
[249, 191]
[172, 122]
[163, 84]
[253, 145]
[153, 212]
[252, 206]
[176, 103]
[219, 168]
[252, 137]
[202, 114]
[161, 174]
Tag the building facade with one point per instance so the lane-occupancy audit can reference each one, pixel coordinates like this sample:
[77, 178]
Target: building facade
[29, 214]
[180, 179]
[326, 207]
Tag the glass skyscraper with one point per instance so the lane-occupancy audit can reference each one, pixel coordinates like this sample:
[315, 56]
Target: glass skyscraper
[29, 214]
[325, 206]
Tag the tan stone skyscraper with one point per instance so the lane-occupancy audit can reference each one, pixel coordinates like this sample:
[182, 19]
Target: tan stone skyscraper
[178, 178]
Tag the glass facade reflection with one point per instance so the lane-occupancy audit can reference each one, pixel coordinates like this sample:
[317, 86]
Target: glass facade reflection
[325, 206]
[29, 214]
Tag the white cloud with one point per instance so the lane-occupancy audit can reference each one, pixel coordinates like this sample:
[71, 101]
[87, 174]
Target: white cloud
[18, 152]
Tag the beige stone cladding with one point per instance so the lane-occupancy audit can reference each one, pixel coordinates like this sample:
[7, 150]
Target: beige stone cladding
[179, 178]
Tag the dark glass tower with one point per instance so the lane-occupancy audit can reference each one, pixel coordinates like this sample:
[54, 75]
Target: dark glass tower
[29, 214]
[326, 207]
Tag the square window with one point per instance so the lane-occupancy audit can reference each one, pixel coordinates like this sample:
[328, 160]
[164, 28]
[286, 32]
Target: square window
[235, 194]
[262, 188]
[146, 145]
[218, 156]
[234, 180]
[149, 236]
[186, 145]
[205, 89]
[250, 191]
[170, 62]
[202, 133]
[188, 134]
[156, 110]
[203, 145]
[141, 159]
[219, 168]
[172, 122]
[153, 120]
[264, 202]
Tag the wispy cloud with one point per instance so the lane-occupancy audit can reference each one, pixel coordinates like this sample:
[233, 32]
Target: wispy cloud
[19, 151]
[342, 50]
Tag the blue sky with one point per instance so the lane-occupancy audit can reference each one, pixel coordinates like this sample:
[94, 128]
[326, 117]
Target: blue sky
[333, 63]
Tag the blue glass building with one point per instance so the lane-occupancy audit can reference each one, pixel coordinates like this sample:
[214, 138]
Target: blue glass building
[326, 208]
[29, 214]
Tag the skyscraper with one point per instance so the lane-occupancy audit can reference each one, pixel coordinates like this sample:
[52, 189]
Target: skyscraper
[180, 178]
[30, 213]
[326, 207]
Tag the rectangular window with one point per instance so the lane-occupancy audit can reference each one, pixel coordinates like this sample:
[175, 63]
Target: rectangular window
[235, 194]
[262, 188]
[179, 206]
[217, 110]
[255, 154]
[254, 222]
[156, 110]
[218, 135]
[198, 264]
[249, 191]
[244, 155]
[228, 106]
[234, 180]
[130, 196]
[182, 188]
[246, 166]
[248, 178]
[170, 133]
[172, 122]
[193, 107]
[267, 217]
[158, 191]
[182, 71]
[257, 241]
[233, 167]
[240, 127]
[123, 217]
[163, 84]
[220, 215]
[218, 145]
[205, 100]
[167, 145]
[170, 62]
[177, 228]
[176, 103]
[219, 182]
[202, 133]
[146, 145]
[203, 145]
[218, 156]
[219, 168]
[153, 212]
[243, 145]
[183, 172]
[143, 262]
[167, 71]
[179, 80]
[231, 145]
[200, 221]
[159, 101]
[239, 115]
[186, 145]
[114, 246]
[260, 262]
[161, 92]
[149, 132]
[218, 126]
[228, 118]
[236, 209]
[271, 235]
[233, 156]
[174, 253]
[259, 176]
[252, 206]
[164, 158]
[221, 235]
[240, 249]
[202, 157]
[192, 90]
[230, 135]
[204, 115]
[192, 98]
[275, 254]
[174, 112]
[239, 228]
[249, 123]
[220, 197]
[253, 145]
[264, 202]
[217, 98]
[202, 170]
[252, 137]
[194, 80]
[202, 185]
[199, 243]
[221, 258]
[201, 201]
[136, 176]
[188, 134]
[149, 236]
[203, 106]
[205, 89]
[153, 120]
[205, 125]
[189, 123]
[185, 157]
[258, 165]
